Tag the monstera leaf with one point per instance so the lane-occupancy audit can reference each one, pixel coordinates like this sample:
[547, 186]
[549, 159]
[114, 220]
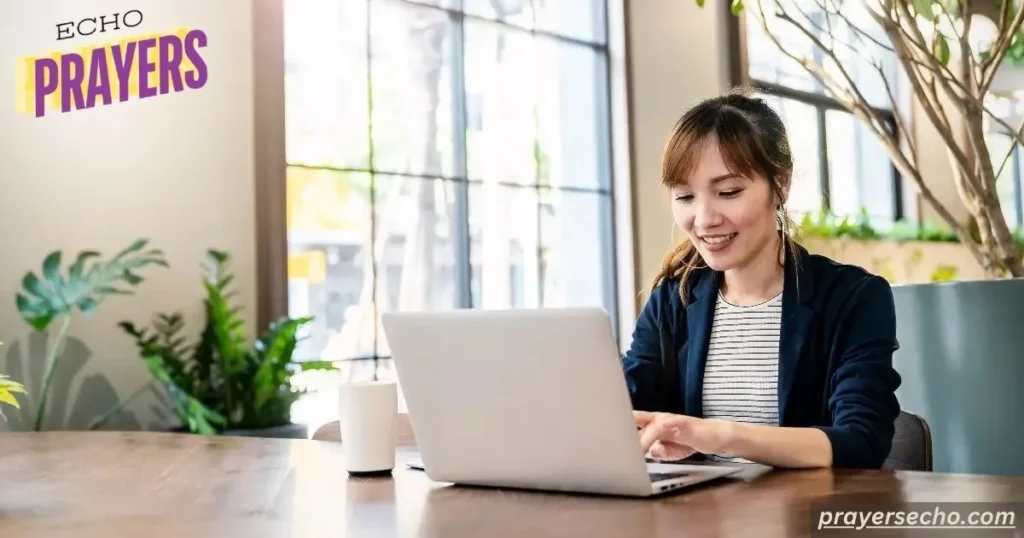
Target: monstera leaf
[87, 283]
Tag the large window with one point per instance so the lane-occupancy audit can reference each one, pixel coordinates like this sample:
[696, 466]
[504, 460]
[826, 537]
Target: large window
[444, 154]
[840, 166]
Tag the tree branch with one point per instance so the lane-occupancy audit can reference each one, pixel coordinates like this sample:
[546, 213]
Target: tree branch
[944, 74]
[1018, 137]
[863, 110]
[932, 106]
[1013, 146]
[898, 113]
[990, 65]
[851, 86]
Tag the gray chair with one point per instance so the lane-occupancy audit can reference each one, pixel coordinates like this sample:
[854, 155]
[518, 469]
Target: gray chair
[911, 444]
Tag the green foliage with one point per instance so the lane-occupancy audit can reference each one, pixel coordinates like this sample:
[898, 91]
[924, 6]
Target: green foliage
[924, 9]
[8, 388]
[940, 48]
[89, 281]
[1015, 52]
[221, 381]
[827, 225]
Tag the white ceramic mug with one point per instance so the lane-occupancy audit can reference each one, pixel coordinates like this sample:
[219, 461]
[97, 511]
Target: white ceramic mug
[367, 413]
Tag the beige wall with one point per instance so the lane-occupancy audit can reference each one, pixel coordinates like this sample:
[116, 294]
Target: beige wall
[677, 55]
[175, 168]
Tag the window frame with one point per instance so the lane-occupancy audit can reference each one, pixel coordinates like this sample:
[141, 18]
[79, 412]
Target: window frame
[271, 163]
[738, 70]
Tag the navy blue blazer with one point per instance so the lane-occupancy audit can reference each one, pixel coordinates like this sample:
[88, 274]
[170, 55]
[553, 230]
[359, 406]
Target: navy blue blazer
[837, 339]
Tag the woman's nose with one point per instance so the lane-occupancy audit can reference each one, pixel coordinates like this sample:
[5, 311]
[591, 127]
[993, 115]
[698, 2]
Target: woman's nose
[706, 216]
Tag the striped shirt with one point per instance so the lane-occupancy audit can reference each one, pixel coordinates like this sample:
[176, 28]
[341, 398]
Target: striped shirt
[742, 370]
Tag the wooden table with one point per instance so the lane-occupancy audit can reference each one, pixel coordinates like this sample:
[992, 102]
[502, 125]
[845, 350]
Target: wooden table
[148, 484]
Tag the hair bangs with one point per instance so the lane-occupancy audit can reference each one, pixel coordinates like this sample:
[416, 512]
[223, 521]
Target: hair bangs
[736, 141]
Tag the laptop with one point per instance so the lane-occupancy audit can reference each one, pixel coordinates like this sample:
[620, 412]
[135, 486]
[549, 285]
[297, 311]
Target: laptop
[526, 399]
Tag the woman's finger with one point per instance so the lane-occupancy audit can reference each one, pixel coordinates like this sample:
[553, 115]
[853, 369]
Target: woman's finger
[650, 433]
[658, 451]
[677, 452]
[666, 451]
[642, 418]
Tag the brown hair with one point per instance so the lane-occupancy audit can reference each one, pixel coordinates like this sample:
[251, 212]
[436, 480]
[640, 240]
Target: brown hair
[753, 142]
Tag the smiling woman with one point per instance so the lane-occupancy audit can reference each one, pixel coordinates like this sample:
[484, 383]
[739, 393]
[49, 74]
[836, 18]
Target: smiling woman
[750, 348]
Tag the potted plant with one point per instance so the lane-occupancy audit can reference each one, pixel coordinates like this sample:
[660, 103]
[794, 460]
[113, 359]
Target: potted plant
[958, 340]
[222, 383]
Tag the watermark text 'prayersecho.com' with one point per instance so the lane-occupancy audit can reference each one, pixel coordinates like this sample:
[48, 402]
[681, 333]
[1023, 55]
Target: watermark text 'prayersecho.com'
[974, 518]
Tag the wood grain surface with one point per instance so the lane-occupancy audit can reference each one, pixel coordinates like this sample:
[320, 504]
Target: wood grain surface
[148, 484]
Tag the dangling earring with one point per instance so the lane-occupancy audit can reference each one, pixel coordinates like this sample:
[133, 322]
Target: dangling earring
[784, 226]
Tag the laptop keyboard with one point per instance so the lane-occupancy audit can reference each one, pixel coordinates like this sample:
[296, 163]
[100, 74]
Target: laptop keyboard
[666, 476]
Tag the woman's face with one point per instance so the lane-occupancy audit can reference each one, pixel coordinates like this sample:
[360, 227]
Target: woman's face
[729, 218]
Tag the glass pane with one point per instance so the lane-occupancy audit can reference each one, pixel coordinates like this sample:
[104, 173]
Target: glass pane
[503, 246]
[517, 12]
[501, 111]
[578, 266]
[766, 62]
[579, 19]
[855, 37]
[859, 47]
[329, 276]
[999, 145]
[411, 57]
[861, 175]
[326, 106]
[415, 251]
[573, 108]
[801, 122]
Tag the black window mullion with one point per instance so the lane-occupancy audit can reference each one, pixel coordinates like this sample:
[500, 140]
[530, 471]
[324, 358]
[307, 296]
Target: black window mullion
[823, 172]
[897, 177]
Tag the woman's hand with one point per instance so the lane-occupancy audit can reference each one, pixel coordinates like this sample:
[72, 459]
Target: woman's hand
[674, 437]
[669, 437]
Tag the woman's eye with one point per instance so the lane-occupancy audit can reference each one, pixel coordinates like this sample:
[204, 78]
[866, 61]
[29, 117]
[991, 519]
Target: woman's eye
[731, 193]
[684, 197]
